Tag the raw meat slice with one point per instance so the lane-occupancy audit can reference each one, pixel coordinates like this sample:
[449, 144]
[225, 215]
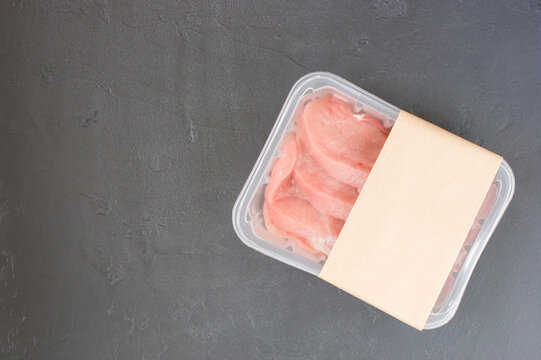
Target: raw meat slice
[323, 191]
[344, 143]
[300, 245]
[476, 227]
[282, 170]
[444, 294]
[460, 260]
[472, 234]
[488, 203]
[300, 220]
[287, 214]
[470, 238]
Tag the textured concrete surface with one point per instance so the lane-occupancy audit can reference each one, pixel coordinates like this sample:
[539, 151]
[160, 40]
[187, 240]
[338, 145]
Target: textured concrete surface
[127, 129]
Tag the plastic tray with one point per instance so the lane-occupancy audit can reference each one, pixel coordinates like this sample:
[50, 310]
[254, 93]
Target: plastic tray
[248, 214]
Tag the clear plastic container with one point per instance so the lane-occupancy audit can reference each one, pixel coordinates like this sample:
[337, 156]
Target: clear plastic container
[248, 210]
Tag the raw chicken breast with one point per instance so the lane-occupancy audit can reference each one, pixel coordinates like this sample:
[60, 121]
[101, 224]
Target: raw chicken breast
[279, 184]
[317, 179]
[323, 191]
[342, 142]
[287, 214]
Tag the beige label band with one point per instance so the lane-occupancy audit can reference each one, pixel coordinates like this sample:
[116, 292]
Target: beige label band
[411, 218]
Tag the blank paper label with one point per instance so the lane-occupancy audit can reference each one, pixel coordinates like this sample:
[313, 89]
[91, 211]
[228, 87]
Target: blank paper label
[410, 220]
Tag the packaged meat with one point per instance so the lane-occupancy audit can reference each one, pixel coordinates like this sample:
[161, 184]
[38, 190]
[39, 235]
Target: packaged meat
[320, 188]
[344, 143]
[322, 166]
[288, 214]
[319, 154]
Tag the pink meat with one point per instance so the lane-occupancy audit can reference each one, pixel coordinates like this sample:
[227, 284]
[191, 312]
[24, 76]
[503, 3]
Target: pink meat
[342, 142]
[287, 214]
[300, 245]
[325, 193]
[488, 203]
[444, 294]
[281, 173]
[472, 234]
[460, 260]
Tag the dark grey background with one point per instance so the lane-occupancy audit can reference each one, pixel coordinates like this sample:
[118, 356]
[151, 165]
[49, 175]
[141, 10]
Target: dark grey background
[128, 129]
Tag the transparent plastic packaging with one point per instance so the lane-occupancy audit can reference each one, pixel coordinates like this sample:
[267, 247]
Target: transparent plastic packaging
[248, 218]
